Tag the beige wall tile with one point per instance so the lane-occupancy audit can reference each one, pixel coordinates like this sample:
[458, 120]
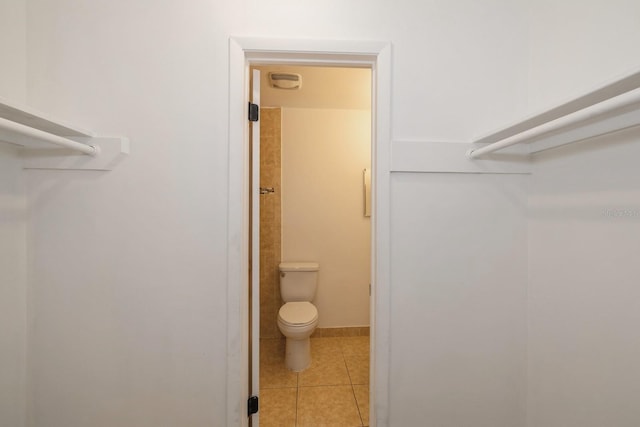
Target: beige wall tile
[341, 332]
[272, 349]
[270, 221]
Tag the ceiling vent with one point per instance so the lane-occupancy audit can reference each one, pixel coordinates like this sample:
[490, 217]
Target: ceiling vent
[289, 81]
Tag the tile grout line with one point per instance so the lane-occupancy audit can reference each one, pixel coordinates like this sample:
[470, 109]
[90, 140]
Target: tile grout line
[353, 391]
[342, 350]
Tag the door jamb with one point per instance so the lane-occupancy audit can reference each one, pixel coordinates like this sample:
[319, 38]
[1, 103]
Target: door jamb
[377, 56]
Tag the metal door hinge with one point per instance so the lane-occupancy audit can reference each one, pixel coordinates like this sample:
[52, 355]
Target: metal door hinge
[254, 112]
[252, 405]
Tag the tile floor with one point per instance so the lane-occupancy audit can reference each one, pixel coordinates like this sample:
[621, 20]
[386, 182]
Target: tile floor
[333, 391]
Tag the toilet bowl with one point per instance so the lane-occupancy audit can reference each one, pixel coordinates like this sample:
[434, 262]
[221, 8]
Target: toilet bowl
[297, 321]
[298, 317]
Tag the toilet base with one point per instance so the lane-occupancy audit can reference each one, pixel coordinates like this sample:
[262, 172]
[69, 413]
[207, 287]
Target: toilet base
[297, 354]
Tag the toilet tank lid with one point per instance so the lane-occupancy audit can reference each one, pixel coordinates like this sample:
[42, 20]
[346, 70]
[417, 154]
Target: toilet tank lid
[299, 266]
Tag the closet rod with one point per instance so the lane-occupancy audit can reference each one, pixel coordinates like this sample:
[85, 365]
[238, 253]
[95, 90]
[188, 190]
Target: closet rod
[605, 107]
[47, 137]
[617, 94]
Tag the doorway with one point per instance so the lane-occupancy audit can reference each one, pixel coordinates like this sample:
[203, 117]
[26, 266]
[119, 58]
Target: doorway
[314, 158]
[245, 52]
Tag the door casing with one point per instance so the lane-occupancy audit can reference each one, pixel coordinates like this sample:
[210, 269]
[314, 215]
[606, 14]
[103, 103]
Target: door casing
[244, 52]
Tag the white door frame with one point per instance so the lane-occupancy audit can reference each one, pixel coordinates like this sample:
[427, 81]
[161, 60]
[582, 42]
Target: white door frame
[244, 52]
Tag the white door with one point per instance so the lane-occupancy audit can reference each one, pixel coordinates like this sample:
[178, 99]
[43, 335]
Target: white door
[254, 292]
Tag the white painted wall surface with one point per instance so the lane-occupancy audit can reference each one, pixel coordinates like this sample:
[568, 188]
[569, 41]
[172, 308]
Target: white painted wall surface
[324, 152]
[583, 296]
[458, 348]
[13, 50]
[13, 222]
[129, 267]
[131, 331]
[577, 45]
[13, 288]
[121, 338]
[584, 299]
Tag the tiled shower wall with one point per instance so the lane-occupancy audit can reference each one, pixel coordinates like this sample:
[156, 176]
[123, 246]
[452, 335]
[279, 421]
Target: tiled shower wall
[270, 221]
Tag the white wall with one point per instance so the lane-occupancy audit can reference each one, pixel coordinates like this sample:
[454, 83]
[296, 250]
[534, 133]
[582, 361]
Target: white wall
[13, 288]
[577, 45]
[324, 152]
[129, 267]
[459, 299]
[13, 219]
[584, 298]
[13, 48]
[583, 294]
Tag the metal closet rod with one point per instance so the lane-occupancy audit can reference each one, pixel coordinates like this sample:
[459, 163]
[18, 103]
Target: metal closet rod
[47, 137]
[615, 95]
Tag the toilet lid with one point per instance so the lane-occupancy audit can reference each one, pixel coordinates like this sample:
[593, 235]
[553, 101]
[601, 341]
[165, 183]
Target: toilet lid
[298, 313]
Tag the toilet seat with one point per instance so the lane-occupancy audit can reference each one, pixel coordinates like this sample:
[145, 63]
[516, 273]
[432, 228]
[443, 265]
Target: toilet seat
[297, 314]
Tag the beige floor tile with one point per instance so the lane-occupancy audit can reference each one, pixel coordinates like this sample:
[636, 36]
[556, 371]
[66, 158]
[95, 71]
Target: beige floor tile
[325, 369]
[327, 406]
[328, 345]
[278, 407]
[358, 367]
[354, 345]
[362, 399]
[274, 374]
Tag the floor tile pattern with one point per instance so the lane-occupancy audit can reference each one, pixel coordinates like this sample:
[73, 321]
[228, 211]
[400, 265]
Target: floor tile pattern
[332, 392]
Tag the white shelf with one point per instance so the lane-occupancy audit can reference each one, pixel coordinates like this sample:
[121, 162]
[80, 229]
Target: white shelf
[32, 118]
[611, 107]
[54, 144]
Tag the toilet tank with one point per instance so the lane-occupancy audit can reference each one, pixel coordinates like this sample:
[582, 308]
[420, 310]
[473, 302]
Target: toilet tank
[298, 281]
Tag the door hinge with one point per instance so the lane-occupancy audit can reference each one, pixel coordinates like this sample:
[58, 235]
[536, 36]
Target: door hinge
[254, 112]
[252, 405]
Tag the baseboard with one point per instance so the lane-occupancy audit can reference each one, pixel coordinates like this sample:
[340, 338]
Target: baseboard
[357, 331]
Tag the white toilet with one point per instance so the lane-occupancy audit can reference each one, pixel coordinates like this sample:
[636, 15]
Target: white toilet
[298, 318]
